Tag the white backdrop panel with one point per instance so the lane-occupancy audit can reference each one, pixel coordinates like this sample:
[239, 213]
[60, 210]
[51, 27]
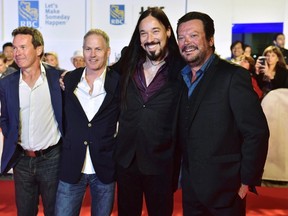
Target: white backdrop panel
[62, 23]
[119, 29]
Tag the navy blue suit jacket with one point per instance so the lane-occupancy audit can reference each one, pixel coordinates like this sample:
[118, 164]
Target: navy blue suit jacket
[99, 134]
[9, 96]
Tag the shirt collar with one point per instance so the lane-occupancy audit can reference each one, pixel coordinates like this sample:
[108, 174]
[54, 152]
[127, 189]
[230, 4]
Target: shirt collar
[101, 77]
[42, 69]
[142, 60]
[187, 70]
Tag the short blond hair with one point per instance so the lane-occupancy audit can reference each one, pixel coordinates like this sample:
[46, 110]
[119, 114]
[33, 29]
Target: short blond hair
[98, 32]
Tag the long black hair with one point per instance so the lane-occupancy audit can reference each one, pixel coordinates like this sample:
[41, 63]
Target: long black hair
[134, 52]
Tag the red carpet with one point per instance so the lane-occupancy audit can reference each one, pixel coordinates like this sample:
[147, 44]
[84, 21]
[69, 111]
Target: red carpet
[269, 202]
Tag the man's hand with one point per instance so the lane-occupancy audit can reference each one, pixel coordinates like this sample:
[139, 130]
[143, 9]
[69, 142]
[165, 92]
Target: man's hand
[61, 82]
[243, 191]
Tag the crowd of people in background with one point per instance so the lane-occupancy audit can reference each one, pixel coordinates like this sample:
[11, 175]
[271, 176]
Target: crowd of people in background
[268, 70]
[169, 112]
[272, 75]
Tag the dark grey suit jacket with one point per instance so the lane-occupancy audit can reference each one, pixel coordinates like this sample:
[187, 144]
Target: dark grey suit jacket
[224, 134]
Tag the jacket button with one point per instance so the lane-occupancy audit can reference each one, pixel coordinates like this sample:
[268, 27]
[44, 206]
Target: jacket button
[85, 143]
[89, 125]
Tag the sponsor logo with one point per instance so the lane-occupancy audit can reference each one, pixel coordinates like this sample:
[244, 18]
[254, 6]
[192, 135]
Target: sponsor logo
[28, 13]
[117, 14]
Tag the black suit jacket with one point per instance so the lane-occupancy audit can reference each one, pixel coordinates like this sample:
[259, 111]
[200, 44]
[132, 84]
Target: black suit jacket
[99, 133]
[224, 134]
[146, 130]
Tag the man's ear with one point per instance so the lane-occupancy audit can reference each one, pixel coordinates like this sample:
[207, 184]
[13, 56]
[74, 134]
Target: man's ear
[211, 41]
[39, 50]
[169, 32]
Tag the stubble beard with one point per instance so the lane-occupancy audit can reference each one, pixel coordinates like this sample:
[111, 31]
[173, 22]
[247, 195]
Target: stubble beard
[195, 61]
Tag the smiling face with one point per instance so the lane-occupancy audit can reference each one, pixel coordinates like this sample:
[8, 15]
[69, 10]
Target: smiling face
[96, 52]
[237, 50]
[25, 54]
[192, 42]
[154, 38]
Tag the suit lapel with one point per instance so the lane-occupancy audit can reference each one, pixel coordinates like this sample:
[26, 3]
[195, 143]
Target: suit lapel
[111, 84]
[71, 85]
[14, 94]
[55, 92]
[201, 89]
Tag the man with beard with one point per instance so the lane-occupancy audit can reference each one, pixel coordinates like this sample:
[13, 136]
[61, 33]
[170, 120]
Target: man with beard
[145, 151]
[223, 130]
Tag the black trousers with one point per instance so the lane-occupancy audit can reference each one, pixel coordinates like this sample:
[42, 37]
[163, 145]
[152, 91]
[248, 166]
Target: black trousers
[132, 185]
[193, 207]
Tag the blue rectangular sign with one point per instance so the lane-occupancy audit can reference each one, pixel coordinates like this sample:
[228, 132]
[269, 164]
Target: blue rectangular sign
[28, 13]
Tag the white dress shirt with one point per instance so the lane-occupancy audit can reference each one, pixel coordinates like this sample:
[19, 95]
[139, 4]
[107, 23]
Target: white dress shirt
[90, 103]
[38, 128]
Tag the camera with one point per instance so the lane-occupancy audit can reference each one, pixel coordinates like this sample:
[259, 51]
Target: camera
[262, 60]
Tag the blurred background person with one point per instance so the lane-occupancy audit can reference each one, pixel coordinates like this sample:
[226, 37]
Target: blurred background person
[51, 58]
[249, 63]
[7, 49]
[4, 68]
[279, 41]
[4, 71]
[237, 50]
[78, 59]
[273, 73]
[247, 50]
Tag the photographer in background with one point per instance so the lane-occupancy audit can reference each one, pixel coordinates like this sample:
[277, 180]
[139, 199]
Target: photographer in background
[271, 73]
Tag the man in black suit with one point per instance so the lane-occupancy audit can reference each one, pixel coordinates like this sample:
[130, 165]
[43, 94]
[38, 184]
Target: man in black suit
[222, 127]
[91, 110]
[145, 150]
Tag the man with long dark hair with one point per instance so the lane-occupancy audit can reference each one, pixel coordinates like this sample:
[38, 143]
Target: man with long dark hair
[145, 150]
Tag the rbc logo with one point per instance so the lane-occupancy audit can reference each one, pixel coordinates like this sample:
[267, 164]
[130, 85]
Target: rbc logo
[28, 13]
[117, 14]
